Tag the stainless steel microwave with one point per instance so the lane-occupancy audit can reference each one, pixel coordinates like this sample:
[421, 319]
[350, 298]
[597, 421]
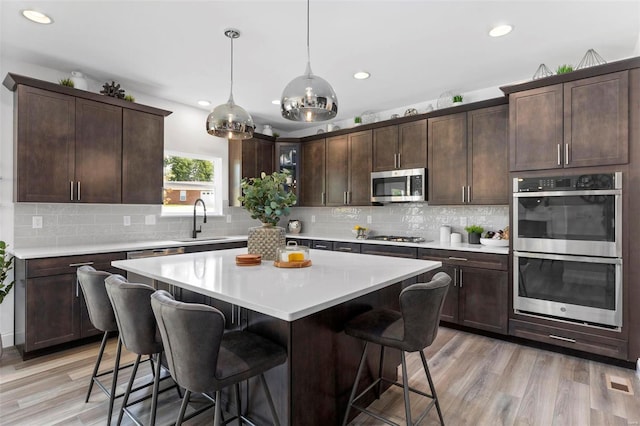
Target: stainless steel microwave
[398, 186]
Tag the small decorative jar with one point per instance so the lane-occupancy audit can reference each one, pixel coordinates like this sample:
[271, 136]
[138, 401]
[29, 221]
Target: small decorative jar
[79, 82]
[267, 130]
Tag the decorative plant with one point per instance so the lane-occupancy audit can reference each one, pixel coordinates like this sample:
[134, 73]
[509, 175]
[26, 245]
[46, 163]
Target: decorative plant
[268, 197]
[474, 229]
[457, 98]
[67, 82]
[6, 263]
[129, 98]
[276, 134]
[357, 120]
[563, 69]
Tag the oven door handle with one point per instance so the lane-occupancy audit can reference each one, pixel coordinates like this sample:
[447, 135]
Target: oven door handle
[585, 192]
[569, 258]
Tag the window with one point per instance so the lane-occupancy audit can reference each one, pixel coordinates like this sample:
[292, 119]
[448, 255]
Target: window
[188, 177]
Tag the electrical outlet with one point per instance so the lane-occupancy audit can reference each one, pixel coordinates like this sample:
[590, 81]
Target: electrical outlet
[313, 218]
[36, 222]
[150, 219]
[369, 219]
[228, 218]
[126, 220]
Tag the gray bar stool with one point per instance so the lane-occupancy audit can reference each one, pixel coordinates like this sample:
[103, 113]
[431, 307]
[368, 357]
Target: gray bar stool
[203, 358]
[138, 331]
[102, 317]
[411, 330]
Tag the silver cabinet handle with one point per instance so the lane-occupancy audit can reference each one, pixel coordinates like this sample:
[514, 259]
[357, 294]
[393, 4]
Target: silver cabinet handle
[468, 193]
[344, 248]
[77, 285]
[348, 197]
[564, 339]
[399, 159]
[395, 161]
[78, 190]
[322, 199]
[463, 194]
[460, 278]
[455, 277]
[71, 265]
[320, 246]
[344, 197]
[559, 163]
[457, 258]
[566, 153]
[71, 190]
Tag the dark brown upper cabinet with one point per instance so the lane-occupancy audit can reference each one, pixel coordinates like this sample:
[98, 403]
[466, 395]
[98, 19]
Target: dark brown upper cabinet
[402, 146]
[468, 157]
[75, 146]
[312, 178]
[348, 169]
[249, 158]
[574, 124]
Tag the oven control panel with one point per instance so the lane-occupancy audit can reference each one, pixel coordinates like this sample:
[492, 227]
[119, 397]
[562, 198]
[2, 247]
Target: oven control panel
[567, 183]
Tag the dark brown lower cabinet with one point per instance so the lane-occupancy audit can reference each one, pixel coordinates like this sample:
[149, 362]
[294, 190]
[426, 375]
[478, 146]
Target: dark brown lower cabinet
[478, 296]
[49, 306]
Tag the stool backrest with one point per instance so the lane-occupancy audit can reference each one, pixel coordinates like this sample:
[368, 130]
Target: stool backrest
[421, 305]
[132, 305]
[191, 334]
[95, 294]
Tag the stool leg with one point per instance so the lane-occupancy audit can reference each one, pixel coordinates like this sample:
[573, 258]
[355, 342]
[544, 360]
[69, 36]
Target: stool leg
[97, 366]
[183, 406]
[218, 410]
[156, 387]
[238, 403]
[276, 421]
[355, 384]
[379, 387]
[405, 388]
[114, 383]
[125, 400]
[433, 388]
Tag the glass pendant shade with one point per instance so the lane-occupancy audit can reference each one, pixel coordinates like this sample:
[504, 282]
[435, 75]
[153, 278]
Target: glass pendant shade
[309, 97]
[230, 121]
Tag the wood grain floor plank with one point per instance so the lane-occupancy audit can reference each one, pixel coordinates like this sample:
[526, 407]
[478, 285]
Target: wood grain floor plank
[572, 404]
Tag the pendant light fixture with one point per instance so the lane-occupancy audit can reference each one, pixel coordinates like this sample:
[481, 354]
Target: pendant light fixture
[229, 120]
[309, 97]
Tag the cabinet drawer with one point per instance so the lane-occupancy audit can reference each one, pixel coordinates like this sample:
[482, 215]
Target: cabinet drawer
[393, 251]
[346, 247]
[322, 245]
[466, 258]
[69, 264]
[586, 342]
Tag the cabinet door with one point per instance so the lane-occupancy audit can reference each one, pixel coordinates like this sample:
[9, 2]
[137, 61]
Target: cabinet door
[264, 159]
[45, 154]
[385, 148]
[142, 157]
[360, 150]
[596, 120]
[312, 173]
[257, 157]
[337, 172]
[412, 145]
[535, 129]
[98, 152]
[484, 299]
[488, 177]
[450, 308]
[53, 315]
[448, 159]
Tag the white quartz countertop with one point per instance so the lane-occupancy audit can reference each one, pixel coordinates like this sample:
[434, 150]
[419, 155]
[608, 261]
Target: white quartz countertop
[480, 248]
[41, 252]
[285, 293]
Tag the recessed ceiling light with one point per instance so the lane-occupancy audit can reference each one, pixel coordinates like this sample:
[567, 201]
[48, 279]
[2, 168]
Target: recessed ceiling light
[276, 101]
[361, 75]
[500, 30]
[37, 17]
[204, 103]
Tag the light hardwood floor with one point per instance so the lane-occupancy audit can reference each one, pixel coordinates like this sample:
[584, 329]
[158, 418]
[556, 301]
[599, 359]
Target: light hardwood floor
[479, 380]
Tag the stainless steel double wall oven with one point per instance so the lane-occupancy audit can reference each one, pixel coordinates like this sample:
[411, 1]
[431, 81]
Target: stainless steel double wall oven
[567, 248]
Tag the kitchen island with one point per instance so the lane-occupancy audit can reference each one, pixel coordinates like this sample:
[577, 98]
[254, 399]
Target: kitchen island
[302, 309]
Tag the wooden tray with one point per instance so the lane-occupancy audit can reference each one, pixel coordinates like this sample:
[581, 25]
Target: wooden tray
[248, 259]
[303, 264]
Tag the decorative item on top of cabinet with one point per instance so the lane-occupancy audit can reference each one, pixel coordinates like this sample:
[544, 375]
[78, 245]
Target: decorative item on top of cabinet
[584, 122]
[402, 146]
[542, 72]
[112, 90]
[468, 157]
[590, 59]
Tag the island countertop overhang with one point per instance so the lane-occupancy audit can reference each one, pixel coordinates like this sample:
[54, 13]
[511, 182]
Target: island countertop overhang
[287, 294]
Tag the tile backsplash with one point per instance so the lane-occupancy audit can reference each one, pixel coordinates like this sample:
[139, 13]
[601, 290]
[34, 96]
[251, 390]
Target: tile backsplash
[75, 224]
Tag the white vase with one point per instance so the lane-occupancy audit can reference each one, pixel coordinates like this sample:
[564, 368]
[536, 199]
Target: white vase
[79, 82]
[267, 130]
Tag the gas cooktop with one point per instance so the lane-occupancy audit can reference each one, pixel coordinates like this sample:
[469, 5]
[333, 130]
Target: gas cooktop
[397, 239]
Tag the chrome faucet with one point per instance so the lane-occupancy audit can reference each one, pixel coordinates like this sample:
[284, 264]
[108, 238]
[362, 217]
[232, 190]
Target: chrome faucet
[194, 233]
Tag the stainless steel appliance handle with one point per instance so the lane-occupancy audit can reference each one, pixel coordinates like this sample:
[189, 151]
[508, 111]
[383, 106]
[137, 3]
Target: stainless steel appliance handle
[559, 163]
[566, 153]
[569, 258]
[71, 190]
[564, 339]
[568, 193]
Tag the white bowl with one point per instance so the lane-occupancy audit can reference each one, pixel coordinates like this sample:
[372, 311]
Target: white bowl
[494, 242]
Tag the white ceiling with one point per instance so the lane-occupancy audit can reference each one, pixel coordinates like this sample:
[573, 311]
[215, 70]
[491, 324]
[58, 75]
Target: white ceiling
[414, 50]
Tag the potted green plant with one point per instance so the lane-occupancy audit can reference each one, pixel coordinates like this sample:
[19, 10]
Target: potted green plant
[67, 82]
[457, 99]
[129, 98]
[6, 264]
[357, 121]
[475, 232]
[267, 198]
[563, 69]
